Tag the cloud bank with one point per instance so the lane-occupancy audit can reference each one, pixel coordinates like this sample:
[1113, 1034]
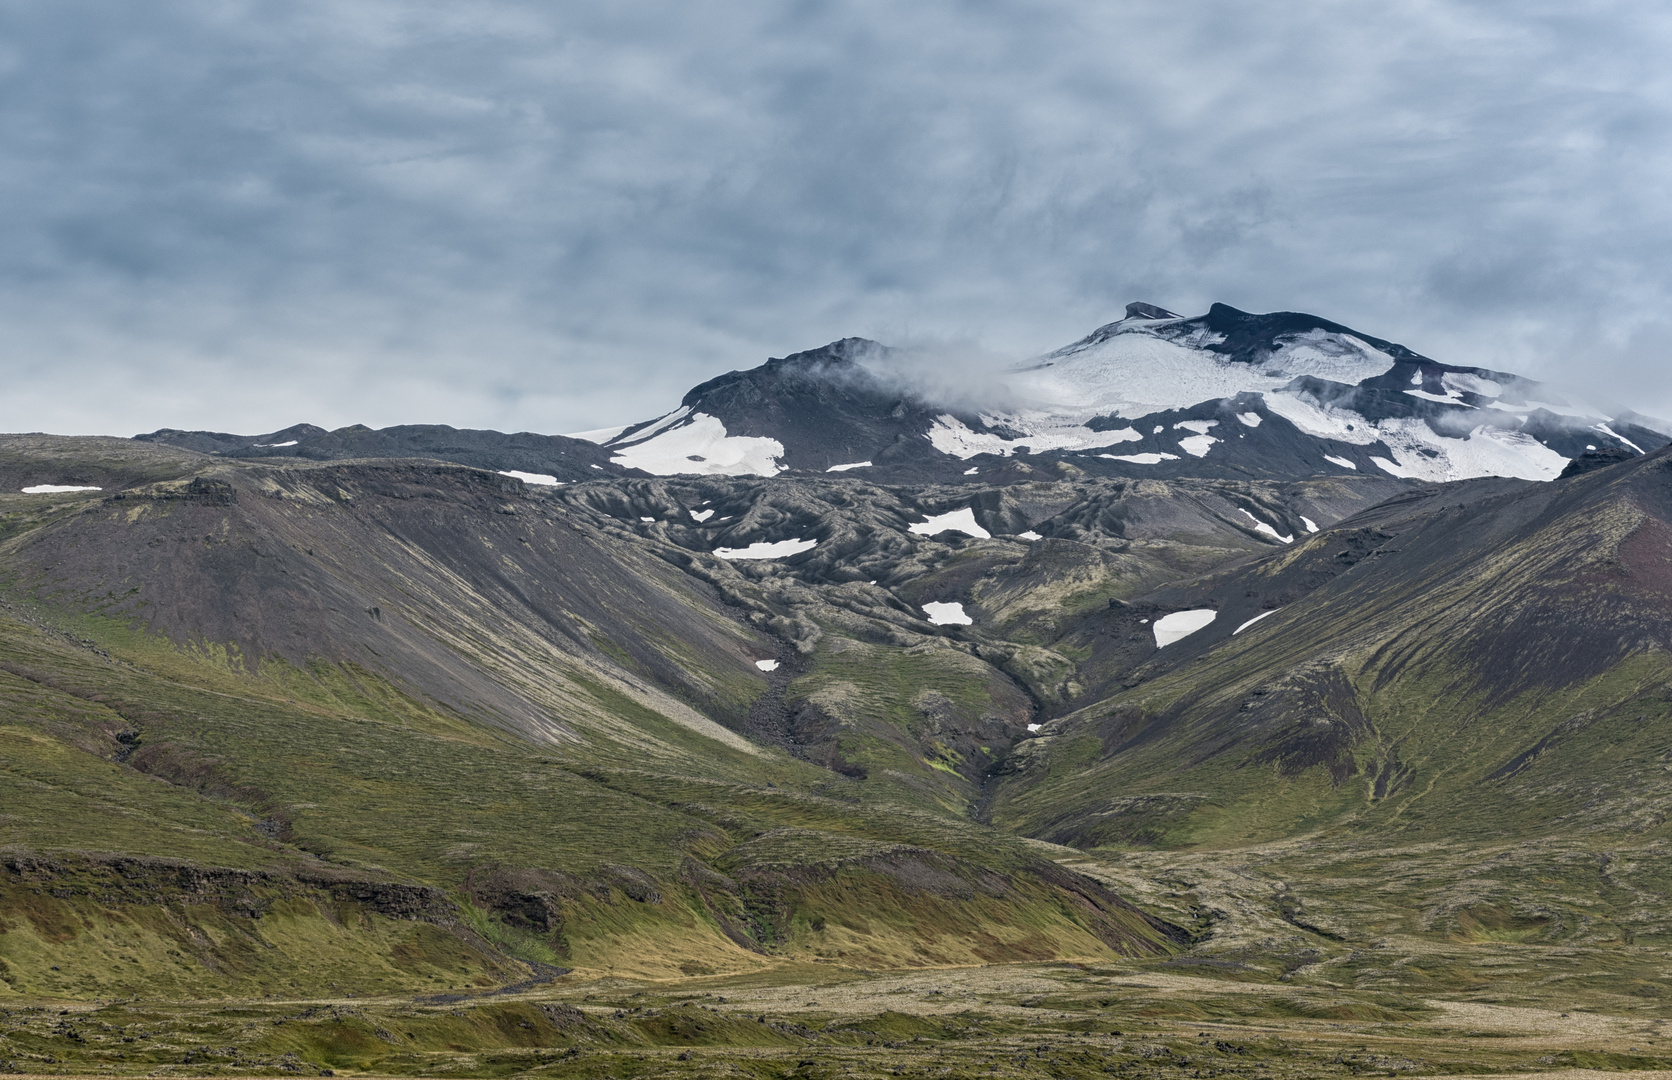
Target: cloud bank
[236, 215]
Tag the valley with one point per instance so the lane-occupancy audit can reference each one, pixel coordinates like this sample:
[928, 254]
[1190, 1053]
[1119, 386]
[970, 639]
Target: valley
[422, 752]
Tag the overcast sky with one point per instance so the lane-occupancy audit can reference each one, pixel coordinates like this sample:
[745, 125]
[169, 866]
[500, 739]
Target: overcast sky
[239, 215]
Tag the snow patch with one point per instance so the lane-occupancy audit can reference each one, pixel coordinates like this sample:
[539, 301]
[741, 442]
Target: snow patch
[1451, 399]
[701, 445]
[762, 549]
[701, 516]
[1266, 530]
[1485, 451]
[1457, 382]
[1582, 411]
[1311, 526]
[767, 665]
[955, 521]
[1029, 535]
[1606, 430]
[57, 489]
[658, 424]
[850, 465]
[1141, 459]
[947, 614]
[951, 435]
[1249, 419]
[972, 471]
[1341, 461]
[598, 435]
[540, 479]
[1032, 728]
[1343, 425]
[273, 445]
[1197, 445]
[646, 520]
[1200, 427]
[1136, 370]
[1254, 620]
[1180, 625]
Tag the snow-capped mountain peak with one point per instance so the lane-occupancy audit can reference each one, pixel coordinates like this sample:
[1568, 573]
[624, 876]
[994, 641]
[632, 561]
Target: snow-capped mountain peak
[1228, 393]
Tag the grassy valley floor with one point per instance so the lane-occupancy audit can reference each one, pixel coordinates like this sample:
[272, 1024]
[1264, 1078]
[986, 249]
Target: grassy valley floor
[1057, 1020]
[1453, 961]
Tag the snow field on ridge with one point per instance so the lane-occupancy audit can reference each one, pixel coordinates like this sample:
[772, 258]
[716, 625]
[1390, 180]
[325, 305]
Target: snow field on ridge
[701, 445]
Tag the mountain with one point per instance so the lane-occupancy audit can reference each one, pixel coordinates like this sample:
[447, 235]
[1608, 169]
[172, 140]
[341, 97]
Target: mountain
[1487, 658]
[432, 752]
[546, 458]
[1226, 394]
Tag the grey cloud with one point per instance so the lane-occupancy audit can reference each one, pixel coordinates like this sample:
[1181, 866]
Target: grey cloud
[239, 215]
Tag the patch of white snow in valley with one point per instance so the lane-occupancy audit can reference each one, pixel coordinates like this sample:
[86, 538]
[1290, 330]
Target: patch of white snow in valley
[1197, 445]
[1341, 461]
[273, 445]
[951, 435]
[598, 435]
[762, 549]
[702, 515]
[647, 520]
[1141, 459]
[1311, 526]
[1034, 727]
[947, 614]
[1254, 620]
[57, 489]
[1200, 427]
[954, 521]
[1029, 535]
[1266, 530]
[767, 665]
[1180, 625]
[971, 472]
[850, 465]
[702, 446]
[1416, 378]
[1249, 419]
[540, 478]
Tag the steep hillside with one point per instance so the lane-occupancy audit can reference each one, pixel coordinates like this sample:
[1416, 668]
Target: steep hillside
[443, 698]
[1465, 661]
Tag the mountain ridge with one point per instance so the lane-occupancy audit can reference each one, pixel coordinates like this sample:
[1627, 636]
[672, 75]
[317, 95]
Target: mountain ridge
[1229, 394]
